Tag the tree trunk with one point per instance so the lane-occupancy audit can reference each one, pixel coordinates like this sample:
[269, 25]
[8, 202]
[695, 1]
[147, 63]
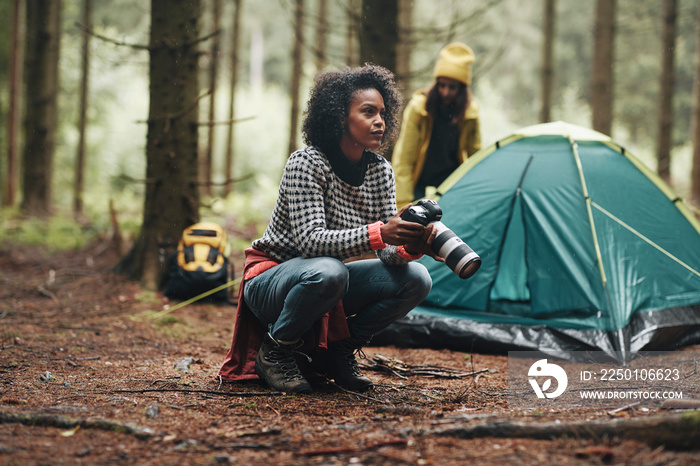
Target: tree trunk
[352, 57]
[320, 48]
[79, 186]
[379, 32]
[547, 64]
[41, 95]
[695, 125]
[403, 49]
[668, 42]
[172, 198]
[208, 162]
[235, 41]
[603, 52]
[297, 69]
[14, 110]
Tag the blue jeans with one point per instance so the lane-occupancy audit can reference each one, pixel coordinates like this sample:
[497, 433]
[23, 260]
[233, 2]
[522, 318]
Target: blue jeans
[291, 296]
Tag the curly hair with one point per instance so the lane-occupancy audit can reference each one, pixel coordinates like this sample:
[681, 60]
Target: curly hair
[330, 99]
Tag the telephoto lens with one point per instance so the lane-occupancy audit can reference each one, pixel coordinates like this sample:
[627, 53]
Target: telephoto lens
[457, 254]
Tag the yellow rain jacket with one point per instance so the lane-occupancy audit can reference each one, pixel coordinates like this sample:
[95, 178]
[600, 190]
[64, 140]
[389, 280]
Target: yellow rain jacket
[412, 145]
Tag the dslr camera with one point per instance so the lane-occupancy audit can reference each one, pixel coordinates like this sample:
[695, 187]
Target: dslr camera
[457, 254]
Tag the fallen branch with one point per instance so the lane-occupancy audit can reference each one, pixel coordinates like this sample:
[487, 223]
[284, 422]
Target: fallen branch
[404, 370]
[62, 422]
[351, 392]
[46, 292]
[192, 390]
[341, 449]
[242, 446]
[681, 404]
[677, 431]
[623, 408]
[225, 122]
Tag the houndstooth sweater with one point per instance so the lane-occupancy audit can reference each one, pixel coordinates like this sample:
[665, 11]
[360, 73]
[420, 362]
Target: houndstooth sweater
[319, 214]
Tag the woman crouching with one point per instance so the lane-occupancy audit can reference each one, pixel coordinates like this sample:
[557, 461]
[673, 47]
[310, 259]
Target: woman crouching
[301, 299]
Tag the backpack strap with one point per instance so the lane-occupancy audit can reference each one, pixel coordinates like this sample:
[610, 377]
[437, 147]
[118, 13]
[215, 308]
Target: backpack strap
[188, 251]
[213, 255]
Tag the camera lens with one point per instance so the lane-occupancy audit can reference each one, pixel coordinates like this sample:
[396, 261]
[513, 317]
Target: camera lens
[458, 255]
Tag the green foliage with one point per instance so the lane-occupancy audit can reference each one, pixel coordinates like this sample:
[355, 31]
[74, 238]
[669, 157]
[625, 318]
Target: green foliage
[172, 327]
[57, 233]
[506, 36]
[118, 90]
[168, 320]
[260, 135]
[146, 296]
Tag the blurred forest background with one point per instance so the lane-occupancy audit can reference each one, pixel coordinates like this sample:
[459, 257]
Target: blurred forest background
[624, 67]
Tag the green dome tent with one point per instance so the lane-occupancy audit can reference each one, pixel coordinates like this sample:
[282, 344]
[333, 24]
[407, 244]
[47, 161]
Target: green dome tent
[583, 249]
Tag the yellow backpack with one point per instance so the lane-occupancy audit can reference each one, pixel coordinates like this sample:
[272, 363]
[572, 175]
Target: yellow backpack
[202, 248]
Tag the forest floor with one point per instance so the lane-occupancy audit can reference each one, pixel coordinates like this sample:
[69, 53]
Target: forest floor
[88, 376]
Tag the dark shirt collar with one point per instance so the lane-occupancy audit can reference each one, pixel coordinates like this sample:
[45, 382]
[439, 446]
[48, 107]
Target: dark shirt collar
[352, 173]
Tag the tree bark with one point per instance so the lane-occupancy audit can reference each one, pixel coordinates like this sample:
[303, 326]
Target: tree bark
[172, 198]
[208, 162]
[79, 186]
[235, 46]
[320, 47]
[379, 32]
[665, 122]
[403, 49]
[547, 63]
[41, 96]
[603, 53]
[14, 107]
[352, 57]
[297, 70]
[695, 125]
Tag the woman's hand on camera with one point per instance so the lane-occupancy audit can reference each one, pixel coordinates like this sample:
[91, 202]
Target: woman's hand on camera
[398, 231]
[423, 245]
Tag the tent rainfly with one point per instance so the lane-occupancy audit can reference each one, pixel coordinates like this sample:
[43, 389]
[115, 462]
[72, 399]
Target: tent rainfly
[583, 249]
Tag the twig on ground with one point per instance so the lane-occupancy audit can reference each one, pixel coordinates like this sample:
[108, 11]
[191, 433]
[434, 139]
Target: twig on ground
[338, 450]
[404, 370]
[256, 432]
[193, 390]
[50, 420]
[172, 380]
[254, 446]
[49, 294]
[273, 409]
[623, 408]
[355, 393]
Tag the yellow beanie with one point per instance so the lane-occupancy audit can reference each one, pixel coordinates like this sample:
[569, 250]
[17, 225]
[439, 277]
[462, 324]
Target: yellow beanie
[454, 62]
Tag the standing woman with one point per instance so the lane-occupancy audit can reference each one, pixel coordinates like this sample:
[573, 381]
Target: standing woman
[440, 127]
[298, 298]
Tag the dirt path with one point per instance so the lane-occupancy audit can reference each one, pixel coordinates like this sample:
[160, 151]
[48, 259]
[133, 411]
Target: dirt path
[86, 377]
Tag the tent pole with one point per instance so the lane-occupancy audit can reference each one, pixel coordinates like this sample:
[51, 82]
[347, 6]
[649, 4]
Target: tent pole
[599, 258]
[574, 148]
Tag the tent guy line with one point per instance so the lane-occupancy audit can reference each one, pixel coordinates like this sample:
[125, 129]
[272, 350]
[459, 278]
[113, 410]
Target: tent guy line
[641, 236]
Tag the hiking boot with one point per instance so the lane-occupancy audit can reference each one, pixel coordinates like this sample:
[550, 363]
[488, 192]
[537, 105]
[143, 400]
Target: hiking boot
[339, 363]
[276, 365]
